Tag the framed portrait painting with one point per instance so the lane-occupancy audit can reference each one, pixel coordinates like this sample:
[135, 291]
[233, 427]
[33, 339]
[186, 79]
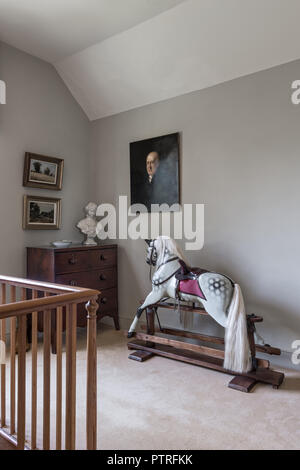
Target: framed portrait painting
[154, 171]
[43, 172]
[41, 213]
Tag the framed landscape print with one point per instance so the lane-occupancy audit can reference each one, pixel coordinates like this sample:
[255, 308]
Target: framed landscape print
[43, 172]
[41, 213]
[154, 171]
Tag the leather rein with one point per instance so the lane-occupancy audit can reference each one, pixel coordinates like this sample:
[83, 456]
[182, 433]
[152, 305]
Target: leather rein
[156, 283]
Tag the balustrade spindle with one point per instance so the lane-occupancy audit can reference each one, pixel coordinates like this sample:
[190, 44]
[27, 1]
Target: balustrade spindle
[21, 382]
[91, 389]
[34, 320]
[13, 322]
[58, 377]
[71, 320]
[3, 366]
[47, 365]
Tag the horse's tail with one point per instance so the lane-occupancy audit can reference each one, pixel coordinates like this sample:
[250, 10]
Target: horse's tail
[237, 350]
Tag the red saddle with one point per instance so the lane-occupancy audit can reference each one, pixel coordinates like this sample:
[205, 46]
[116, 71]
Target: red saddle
[191, 286]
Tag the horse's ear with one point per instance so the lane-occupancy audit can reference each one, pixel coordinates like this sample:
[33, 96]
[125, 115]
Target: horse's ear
[148, 242]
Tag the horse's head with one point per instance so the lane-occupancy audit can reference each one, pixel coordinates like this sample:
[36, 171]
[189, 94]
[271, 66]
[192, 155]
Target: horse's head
[151, 253]
[160, 249]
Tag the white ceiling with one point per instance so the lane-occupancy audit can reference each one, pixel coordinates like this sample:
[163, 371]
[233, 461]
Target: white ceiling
[197, 44]
[134, 61]
[53, 29]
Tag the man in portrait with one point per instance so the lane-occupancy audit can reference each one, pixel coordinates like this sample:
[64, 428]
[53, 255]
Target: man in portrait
[154, 171]
[152, 163]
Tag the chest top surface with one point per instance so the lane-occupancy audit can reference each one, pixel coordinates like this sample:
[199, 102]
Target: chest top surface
[73, 247]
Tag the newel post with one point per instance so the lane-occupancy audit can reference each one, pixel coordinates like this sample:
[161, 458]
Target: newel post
[91, 395]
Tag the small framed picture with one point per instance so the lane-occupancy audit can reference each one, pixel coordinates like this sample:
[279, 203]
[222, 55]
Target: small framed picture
[43, 172]
[41, 213]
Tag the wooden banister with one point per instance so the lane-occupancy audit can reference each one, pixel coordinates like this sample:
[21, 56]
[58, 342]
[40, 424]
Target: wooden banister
[16, 309]
[40, 285]
[58, 301]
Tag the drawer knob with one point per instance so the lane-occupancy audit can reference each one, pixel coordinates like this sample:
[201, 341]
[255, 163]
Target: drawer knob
[103, 300]
[73, 283]
[102, 277]
[72, 260]
[103, 258]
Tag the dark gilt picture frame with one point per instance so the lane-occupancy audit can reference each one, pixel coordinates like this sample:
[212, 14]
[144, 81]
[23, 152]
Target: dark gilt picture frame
[154, 172]
[43, 172]
[41, 213]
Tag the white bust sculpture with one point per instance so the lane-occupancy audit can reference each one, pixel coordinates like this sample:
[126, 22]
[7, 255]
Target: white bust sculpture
[87, 226]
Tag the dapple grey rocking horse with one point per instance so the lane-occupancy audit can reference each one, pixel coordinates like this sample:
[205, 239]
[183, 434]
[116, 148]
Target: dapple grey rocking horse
[219, 295]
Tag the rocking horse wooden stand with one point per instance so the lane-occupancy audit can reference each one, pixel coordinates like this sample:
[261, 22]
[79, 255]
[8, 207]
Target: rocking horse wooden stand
[148, 344]
[218, 296]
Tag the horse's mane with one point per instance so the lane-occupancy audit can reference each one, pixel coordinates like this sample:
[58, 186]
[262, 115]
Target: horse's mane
[163, 243]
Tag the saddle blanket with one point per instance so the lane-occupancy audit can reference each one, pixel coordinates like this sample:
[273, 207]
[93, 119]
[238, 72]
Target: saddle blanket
[191, 287]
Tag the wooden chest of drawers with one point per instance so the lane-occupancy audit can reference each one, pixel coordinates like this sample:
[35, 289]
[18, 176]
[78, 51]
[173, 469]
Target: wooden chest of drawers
[83, 266]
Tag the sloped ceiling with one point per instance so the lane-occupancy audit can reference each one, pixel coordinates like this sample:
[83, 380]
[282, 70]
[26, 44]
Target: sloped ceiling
[116, 55]
[54, 29]
[197, 44]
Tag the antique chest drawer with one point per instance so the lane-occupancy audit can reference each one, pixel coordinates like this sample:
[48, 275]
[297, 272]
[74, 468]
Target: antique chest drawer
[69, 262]
[95, 279]
[108, 300]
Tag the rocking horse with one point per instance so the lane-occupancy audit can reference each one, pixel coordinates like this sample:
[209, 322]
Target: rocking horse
[222, 299]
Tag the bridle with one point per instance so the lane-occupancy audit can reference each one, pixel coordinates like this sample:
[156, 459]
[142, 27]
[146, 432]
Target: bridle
[150, 258]
[168, 261]
[151, 263]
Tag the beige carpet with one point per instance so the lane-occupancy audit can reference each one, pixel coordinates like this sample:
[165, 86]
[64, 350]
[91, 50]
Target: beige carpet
[165, 404]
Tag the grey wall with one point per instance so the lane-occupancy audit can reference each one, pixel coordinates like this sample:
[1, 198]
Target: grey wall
[42, 117]
[240, 157]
